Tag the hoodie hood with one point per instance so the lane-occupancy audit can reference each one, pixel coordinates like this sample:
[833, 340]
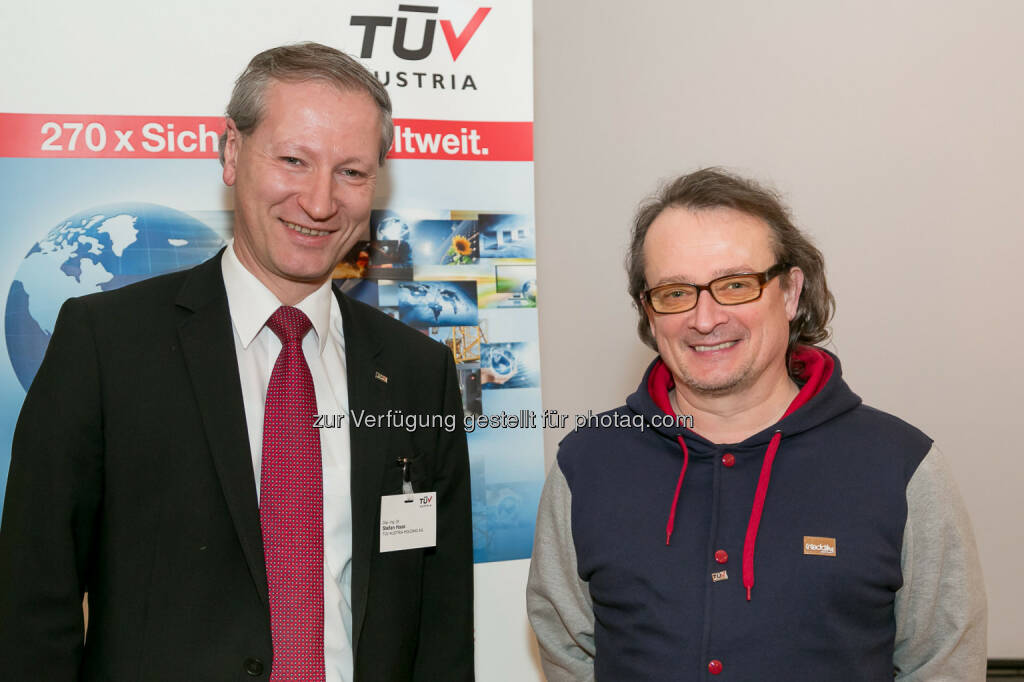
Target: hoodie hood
[823, 395]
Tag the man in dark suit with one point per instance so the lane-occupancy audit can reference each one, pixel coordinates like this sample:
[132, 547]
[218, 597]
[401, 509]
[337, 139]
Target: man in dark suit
[136, 465]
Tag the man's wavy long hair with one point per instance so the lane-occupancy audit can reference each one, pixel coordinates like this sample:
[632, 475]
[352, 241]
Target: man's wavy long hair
[710, 188]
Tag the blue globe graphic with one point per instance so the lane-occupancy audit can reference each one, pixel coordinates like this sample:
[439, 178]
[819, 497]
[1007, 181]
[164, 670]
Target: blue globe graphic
[393, 229]
[98, 249]
[503, 361]
[530, 290]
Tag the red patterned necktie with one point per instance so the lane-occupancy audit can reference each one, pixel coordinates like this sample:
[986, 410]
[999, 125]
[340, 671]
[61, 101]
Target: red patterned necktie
[291, 508]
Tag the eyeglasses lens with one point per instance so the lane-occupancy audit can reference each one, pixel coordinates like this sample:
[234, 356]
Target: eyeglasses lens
[674, 299]
[734, 290]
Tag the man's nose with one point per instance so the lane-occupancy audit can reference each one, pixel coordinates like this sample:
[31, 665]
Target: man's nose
[707, 314]
[319, 197]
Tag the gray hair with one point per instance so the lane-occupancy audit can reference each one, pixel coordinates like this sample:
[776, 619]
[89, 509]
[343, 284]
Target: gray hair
[301, 62]
[710, 188]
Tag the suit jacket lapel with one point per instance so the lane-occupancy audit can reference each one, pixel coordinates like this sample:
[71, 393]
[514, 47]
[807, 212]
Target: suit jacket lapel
[207, 343]
[208, 346]
[368, 390]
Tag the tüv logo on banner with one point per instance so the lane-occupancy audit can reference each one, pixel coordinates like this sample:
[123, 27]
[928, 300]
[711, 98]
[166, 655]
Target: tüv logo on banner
[456, 41]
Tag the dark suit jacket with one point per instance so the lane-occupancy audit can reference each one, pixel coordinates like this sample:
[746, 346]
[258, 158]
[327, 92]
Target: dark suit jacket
[131, 479]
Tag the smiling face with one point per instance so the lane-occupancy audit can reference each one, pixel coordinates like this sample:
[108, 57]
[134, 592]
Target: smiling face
[304, 181]
[718, 350]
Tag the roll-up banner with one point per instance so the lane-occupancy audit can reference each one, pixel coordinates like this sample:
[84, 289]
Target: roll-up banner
[98, 198]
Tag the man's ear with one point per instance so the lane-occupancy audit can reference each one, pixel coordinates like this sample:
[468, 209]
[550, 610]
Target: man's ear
[231, 141]
[792, 290]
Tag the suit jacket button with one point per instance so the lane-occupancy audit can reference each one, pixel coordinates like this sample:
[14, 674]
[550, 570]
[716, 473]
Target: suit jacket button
[253, 666]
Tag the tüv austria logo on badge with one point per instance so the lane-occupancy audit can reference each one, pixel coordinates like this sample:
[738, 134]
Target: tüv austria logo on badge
[97, 249]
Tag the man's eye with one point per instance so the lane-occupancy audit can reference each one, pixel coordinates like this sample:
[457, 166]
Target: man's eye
[676, 293]
[291, 160]
[351, 173]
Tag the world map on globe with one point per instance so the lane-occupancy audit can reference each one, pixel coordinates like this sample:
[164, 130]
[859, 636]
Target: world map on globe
[98, 249]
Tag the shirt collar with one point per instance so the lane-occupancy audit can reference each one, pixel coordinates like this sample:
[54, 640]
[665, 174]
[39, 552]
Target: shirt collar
[251, 303]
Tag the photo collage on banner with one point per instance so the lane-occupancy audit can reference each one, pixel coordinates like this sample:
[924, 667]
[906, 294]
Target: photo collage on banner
[94, 202]
[468, 279]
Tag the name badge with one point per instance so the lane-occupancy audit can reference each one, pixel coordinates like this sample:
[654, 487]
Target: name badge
[408, 521]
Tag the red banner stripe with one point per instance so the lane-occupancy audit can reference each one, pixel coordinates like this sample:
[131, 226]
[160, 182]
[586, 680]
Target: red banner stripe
[196, 137]
[462, 140]
[126, 137]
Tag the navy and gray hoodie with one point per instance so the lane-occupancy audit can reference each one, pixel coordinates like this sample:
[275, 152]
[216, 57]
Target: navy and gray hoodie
[831, 546]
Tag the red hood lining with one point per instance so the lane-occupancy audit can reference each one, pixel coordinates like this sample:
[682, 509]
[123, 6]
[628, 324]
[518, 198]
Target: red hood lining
[817, 369]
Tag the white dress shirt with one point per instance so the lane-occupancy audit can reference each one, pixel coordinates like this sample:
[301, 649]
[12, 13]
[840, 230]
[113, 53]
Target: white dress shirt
[257, 348]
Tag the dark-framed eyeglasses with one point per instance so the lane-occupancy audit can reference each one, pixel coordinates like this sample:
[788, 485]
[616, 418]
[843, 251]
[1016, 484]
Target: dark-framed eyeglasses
[728, 290]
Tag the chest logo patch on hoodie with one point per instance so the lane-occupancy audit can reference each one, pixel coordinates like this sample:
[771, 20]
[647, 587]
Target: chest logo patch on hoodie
[818, 546]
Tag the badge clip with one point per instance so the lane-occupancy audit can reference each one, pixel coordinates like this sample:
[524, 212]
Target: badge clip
[406, 478]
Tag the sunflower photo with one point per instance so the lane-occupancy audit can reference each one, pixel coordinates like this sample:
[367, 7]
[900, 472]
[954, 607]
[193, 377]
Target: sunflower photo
[445, 242]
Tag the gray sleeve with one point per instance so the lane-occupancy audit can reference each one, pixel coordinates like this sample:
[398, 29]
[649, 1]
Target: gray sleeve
[557, 601]
[941, 613]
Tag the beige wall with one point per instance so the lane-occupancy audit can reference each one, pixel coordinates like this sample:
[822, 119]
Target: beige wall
[896, 131]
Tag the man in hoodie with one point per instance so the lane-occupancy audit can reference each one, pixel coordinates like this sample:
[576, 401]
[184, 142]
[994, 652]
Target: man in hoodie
[755, 460]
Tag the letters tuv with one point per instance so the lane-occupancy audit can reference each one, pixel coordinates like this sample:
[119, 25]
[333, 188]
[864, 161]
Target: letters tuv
[456, 41]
